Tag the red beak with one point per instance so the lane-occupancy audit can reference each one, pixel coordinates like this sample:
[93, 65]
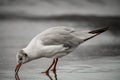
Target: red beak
[18, 67]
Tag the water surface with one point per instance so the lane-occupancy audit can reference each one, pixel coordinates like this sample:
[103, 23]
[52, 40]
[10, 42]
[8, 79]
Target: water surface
[96, 62]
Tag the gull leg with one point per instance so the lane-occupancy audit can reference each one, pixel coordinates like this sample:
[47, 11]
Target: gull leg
[47, 71]
[55, 64]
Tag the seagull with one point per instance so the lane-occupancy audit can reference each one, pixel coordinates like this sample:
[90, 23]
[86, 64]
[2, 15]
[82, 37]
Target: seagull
[55, 43]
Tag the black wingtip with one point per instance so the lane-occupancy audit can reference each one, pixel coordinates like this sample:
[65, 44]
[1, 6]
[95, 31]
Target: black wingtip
[99, 30]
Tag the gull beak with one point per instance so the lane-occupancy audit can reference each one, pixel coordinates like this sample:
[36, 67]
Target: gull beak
[18, 67]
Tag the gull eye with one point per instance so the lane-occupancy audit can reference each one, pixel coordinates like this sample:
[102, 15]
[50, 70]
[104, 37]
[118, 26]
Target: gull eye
[20, 58]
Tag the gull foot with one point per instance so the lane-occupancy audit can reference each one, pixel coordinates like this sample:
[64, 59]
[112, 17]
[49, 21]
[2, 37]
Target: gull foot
[46, 72]
[54, 71]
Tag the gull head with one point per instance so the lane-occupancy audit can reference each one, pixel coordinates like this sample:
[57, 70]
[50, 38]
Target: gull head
[21, 58]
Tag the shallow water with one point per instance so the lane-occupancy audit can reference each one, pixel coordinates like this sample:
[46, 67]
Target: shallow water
[80, 65]
[93, 69]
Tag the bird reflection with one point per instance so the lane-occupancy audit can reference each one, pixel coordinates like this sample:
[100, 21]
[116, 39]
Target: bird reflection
[51, 78]
[48, 75]
[17, 77]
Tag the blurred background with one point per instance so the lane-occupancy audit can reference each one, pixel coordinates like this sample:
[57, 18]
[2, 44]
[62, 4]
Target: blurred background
[21, 20]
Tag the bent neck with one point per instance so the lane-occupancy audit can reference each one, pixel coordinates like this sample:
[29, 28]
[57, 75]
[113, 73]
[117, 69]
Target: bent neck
[32, 54]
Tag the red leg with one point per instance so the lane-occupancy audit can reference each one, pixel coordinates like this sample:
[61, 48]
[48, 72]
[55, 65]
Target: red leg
[47, 71]
[55, 64]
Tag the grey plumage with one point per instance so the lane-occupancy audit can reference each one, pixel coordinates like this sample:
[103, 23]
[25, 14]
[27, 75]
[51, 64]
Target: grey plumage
[60, 35]
[67, 36]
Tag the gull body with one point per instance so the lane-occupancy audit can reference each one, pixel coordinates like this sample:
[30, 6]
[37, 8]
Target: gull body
[55, 43]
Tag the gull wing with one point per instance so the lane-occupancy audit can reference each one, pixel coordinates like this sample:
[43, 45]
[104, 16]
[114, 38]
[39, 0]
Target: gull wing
[60, 35]
[67, 36]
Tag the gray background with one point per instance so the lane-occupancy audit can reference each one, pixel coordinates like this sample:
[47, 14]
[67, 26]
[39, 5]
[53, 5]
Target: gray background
[96, 59]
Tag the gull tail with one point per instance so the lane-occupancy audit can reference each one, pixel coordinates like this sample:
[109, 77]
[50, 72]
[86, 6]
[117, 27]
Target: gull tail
[96, 32]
